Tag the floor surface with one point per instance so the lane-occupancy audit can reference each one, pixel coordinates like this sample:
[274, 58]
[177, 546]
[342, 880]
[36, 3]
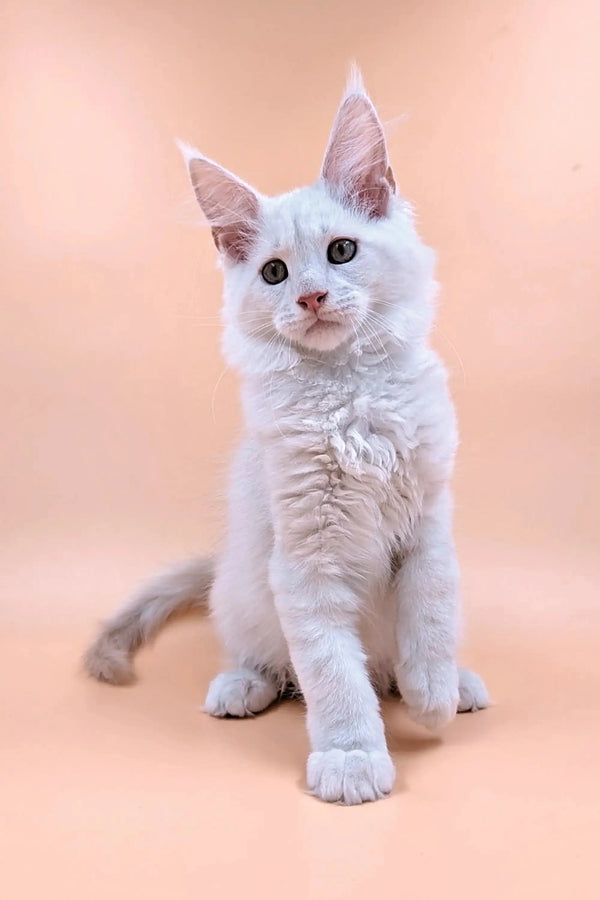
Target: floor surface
[133, 792]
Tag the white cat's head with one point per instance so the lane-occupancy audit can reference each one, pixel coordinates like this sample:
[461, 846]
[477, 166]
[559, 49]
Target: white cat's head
[326, 265]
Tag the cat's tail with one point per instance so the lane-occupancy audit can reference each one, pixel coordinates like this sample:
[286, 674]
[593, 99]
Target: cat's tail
[181, 588]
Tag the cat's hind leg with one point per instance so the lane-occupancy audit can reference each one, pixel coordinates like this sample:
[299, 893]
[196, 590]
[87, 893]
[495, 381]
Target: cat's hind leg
[240, 693]
[241, 600]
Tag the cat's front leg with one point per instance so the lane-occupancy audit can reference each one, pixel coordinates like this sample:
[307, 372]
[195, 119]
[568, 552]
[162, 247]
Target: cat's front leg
[426, 591]
[349, 760]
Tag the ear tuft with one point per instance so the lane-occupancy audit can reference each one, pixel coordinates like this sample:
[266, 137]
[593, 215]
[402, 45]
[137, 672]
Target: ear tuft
[187, 151]
[230, 205]
[354, 81]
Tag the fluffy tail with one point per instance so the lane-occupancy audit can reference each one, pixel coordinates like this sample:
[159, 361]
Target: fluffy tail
[181, 588]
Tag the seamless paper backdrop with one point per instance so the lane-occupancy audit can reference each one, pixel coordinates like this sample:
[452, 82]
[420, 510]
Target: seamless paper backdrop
[118, 419]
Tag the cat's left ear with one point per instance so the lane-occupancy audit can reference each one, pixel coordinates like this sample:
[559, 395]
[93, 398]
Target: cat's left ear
[356, 163]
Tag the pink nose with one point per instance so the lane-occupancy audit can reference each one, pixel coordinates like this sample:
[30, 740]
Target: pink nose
[312, 301]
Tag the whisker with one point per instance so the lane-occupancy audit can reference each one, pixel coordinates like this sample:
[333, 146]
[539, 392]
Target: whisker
[214, 394]
[456, 353]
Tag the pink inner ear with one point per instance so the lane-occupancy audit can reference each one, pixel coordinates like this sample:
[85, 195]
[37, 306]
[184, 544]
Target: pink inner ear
[230, 205]
[234, 240]
[356, 161]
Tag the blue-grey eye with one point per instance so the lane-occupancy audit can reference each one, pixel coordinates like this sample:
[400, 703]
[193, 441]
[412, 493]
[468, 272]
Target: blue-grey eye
[274, 271]
[342, 250]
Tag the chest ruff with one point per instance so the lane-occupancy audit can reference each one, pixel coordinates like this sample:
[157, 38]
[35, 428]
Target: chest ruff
[342, 465]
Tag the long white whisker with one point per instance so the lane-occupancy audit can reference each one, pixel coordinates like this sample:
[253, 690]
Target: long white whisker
[456, 353]
[214, 394]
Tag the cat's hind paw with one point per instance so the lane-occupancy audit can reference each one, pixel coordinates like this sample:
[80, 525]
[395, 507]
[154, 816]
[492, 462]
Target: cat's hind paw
[240, 693]
[473, 694]
[350, 776]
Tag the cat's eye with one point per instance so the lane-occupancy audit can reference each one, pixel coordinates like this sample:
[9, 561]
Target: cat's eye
[342, 250]
[275, 271]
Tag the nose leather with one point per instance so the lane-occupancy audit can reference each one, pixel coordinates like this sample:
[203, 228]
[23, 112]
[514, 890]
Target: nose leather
[312, 301]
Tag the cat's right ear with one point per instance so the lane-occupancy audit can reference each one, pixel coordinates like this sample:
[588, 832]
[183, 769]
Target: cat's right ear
[230, 205]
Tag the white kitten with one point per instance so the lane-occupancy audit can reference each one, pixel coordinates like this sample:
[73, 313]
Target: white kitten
[338, 575]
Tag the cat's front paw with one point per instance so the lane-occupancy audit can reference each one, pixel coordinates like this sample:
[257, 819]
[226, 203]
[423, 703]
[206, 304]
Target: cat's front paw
[430, 693]
[350, 776]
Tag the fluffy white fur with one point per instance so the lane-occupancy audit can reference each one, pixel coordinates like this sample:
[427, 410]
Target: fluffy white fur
[338, 575]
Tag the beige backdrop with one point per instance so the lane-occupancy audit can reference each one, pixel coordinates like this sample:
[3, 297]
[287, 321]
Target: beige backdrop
[118, 420]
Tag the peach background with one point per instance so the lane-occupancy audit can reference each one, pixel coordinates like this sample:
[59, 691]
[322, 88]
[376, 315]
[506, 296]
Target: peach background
[118, 421]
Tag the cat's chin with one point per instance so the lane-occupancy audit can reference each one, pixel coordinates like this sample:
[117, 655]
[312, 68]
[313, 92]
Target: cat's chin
[324, 335]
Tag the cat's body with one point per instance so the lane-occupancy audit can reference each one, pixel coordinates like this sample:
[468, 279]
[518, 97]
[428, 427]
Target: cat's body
[338, 573]
[347, 482]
